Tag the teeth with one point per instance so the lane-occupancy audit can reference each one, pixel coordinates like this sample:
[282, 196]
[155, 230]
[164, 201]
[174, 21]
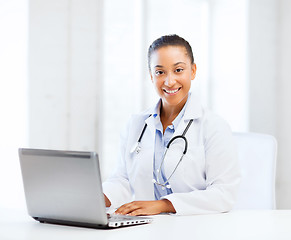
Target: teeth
[172, 91]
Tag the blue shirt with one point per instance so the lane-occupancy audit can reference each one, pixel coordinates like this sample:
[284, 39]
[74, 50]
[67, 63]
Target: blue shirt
[161, 142]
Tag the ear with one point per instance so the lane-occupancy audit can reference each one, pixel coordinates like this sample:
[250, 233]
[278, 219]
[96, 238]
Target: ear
[193, 71]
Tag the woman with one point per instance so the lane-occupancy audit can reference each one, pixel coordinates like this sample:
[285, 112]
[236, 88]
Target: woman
[148, 181]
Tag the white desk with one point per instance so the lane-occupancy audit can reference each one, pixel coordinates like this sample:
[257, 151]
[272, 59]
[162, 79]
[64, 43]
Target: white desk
[236, 225]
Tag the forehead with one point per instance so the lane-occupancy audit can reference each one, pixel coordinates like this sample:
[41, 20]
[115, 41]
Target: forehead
[169, 55]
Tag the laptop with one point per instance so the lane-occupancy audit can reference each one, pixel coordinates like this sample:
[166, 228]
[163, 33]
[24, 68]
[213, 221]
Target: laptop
[64, 187]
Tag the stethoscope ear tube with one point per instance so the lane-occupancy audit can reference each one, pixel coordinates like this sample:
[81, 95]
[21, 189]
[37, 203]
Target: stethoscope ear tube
[141, 135]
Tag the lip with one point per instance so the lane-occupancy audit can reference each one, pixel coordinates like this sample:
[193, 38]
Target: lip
[172, 91]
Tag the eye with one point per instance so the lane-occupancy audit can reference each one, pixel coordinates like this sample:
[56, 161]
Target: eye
[179, 70]
[159, 72]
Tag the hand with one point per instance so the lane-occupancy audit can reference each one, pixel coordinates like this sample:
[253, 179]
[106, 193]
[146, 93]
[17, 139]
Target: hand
[107, 201]
[146, 207]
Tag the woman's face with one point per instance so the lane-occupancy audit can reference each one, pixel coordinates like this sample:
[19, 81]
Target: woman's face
[171, 73]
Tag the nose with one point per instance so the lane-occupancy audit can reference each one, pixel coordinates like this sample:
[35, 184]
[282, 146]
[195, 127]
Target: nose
[170, 80]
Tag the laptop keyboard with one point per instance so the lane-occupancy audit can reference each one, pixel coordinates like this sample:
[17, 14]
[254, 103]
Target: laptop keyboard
[117, 217]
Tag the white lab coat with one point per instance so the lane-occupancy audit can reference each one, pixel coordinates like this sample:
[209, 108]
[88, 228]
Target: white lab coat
[207, 179]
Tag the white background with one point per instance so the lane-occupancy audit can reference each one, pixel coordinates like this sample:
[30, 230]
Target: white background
[73, 71]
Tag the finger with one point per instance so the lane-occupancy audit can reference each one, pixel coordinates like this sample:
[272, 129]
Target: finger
[123, 209]
[147, 208]
[127, 208]
[139, 212]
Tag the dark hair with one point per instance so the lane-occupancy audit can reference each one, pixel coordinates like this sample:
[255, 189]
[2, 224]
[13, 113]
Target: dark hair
[169, 40]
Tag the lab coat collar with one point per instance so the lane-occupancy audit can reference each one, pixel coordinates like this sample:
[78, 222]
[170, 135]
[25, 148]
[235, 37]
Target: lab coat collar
[194, 109]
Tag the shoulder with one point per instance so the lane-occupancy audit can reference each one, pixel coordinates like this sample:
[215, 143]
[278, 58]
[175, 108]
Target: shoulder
[144, 115]
[206, 118]
[139, 117]
[136, 121]
[216, 130]
[213, 120]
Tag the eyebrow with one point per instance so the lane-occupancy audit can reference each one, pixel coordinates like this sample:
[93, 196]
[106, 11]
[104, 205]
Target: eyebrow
[160, 66]
[179, 63]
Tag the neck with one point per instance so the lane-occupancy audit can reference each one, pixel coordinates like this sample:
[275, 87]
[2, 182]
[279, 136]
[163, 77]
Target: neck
[169, 112]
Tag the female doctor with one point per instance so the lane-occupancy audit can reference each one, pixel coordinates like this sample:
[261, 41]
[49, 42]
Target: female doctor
[176, 157]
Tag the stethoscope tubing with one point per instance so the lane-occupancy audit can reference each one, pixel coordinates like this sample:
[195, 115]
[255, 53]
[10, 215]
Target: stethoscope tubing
[138, 149]
[176, 137]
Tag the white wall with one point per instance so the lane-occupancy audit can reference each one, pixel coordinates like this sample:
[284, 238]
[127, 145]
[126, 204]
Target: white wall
[283, 109]
[65, 48]
[228, 86]
[66, 80]
[65, 69]
[13, 98]
[270, 83]
[262, 63]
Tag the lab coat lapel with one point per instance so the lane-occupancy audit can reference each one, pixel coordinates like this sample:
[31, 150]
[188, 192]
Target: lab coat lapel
[193, 111]
[141, 164]
[147, 188]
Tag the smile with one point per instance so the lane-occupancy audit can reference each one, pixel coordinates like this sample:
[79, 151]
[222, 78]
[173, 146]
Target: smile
[172, 91]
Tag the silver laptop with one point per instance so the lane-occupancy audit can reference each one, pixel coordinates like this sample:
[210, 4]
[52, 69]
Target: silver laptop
[64, 187]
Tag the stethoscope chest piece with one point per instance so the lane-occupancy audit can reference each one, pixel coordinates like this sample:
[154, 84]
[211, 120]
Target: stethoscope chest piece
[136, 148]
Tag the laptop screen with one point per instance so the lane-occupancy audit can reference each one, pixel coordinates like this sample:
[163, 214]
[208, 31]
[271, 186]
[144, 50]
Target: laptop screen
[64, 185]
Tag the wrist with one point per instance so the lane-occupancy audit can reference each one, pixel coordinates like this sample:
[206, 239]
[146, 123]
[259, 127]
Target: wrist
[167, 206]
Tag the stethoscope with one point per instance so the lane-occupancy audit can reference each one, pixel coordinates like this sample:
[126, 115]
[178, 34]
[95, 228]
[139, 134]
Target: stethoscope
[137, 149]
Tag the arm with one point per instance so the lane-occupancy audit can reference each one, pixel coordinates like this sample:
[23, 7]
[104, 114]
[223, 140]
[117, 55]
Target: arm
[146, 207]
[222, 174]
[116, 188]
